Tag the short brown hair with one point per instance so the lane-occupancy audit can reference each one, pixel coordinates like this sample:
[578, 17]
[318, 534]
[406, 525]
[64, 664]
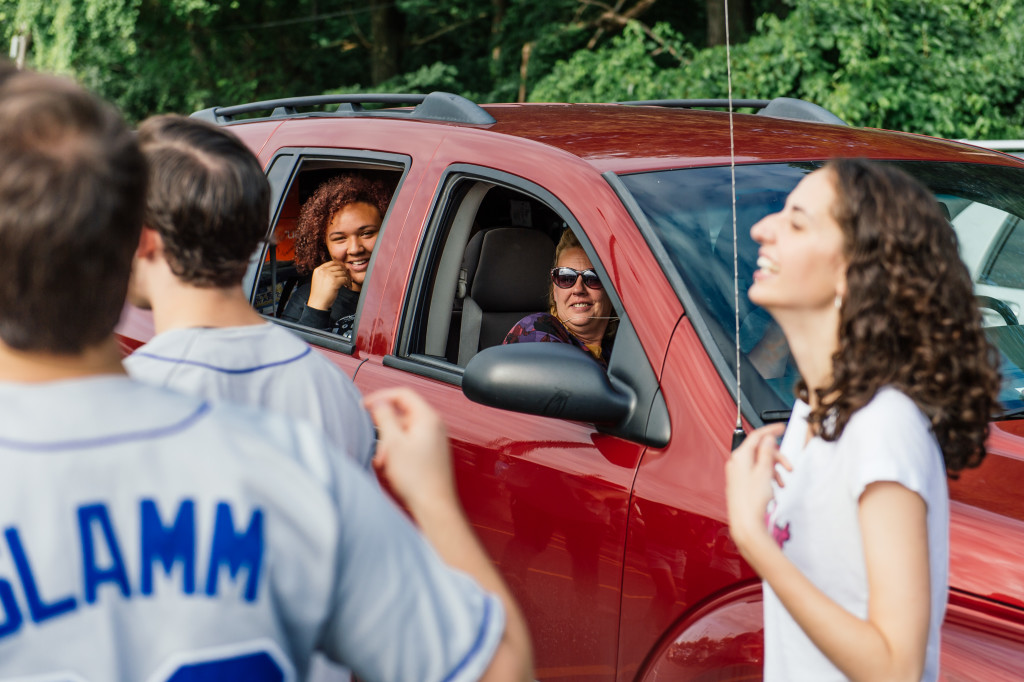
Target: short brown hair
[329, 198]
[208, 198]
[72, 184]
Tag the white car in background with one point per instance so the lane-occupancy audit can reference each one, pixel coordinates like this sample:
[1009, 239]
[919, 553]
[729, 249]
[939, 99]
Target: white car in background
[992, 246]
[1015, 147]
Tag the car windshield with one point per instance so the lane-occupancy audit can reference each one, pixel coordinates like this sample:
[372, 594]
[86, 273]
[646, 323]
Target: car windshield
[689, 212]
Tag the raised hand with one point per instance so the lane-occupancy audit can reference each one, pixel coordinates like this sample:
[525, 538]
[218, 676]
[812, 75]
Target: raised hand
[748, 488]
[412, 450]
[327, 280]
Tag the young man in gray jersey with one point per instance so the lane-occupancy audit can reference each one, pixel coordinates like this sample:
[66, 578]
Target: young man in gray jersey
[150, 535]
[207, 209]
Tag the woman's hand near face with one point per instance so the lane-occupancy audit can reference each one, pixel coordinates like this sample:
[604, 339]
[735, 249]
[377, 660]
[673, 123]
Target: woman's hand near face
[328, 279]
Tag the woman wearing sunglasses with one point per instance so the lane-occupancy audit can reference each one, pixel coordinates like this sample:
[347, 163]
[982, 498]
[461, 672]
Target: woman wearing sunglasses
[579, 310]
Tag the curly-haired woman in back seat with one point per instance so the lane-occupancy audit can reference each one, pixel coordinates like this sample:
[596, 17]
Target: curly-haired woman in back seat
[337, 231]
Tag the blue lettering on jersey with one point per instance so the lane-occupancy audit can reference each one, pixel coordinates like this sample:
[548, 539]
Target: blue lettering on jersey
[168, 545]
[93, 575]
[37, 608]
[236, 550]
[12, 614]
[257, 667]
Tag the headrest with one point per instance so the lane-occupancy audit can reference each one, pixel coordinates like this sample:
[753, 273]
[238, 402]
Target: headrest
[507, 269]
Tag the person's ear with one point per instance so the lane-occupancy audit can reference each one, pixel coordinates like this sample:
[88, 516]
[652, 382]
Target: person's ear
[842, 267]
[840, 290]
[151, 244]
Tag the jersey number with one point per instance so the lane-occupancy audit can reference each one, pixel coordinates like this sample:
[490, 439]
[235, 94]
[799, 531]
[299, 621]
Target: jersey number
[257, 667]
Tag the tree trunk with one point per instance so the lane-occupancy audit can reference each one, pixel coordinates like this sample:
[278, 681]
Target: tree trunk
[524, 68]
[498, 8]
[738, 12]
[387, 28]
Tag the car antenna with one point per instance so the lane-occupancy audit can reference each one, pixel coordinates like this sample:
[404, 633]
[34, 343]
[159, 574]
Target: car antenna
[738, 433]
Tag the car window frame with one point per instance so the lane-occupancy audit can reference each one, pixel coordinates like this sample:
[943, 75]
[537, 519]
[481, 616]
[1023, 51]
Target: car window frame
[282, 171]
[629, 368]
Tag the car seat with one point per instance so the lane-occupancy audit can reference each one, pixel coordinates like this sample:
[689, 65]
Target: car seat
[506, 273]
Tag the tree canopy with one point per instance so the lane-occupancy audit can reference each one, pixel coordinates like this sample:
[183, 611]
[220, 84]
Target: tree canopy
[951, 68]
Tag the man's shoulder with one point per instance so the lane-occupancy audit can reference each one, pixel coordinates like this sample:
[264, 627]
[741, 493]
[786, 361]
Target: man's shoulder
[117, 410]
[229, 349]
[283, 339]
[245, 437]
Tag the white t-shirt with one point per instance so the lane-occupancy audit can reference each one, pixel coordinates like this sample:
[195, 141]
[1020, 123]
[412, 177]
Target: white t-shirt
[148, 533]
[262, 365]
[814, 518]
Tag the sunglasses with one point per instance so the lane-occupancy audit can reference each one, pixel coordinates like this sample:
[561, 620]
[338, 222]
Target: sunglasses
[565, 278]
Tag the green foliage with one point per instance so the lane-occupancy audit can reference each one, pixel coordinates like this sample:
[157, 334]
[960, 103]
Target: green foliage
[436, 76]
[553, 31]
[153, 56]
[626, 69]
[950, 68]
[953, 68]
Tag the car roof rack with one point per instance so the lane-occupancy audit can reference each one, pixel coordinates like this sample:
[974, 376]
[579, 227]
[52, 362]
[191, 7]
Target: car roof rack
[780, 107]
[436, 106]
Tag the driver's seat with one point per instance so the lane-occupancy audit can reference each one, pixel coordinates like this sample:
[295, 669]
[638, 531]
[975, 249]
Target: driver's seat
[506, 278]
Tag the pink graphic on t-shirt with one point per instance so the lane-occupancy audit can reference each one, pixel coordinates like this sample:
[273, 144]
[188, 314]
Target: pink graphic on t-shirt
[780, 533]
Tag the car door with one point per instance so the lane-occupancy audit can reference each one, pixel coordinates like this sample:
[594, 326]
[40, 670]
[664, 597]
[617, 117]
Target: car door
[547, 496]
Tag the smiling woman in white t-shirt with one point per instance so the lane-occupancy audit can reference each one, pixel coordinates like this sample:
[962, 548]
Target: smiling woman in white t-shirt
[846, 521]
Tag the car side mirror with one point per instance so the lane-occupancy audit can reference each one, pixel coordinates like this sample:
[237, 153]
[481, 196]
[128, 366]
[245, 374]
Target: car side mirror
[547, 379]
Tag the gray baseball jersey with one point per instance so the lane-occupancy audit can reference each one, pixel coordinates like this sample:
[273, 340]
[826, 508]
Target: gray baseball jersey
[149, 535]
[263, 365]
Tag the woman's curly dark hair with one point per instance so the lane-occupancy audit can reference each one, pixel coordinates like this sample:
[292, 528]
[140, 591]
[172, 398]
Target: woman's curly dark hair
[909, 319]
[329, 198]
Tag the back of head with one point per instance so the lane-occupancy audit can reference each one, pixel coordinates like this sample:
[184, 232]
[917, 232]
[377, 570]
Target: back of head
[72, 182]
[208, 198]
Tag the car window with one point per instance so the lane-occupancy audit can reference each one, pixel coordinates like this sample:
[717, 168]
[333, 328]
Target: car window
[282, 283]
[689, 215]
[999, 238]
[485, 266]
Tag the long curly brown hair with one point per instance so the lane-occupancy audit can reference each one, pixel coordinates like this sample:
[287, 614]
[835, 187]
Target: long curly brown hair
[909, 319]
[329, 198]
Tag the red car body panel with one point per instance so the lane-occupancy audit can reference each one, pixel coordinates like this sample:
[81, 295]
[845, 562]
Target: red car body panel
[619, 553]
[985, 515]
[679, 501]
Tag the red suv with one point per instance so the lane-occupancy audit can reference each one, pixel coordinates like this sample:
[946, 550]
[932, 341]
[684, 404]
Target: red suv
[601, 495]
